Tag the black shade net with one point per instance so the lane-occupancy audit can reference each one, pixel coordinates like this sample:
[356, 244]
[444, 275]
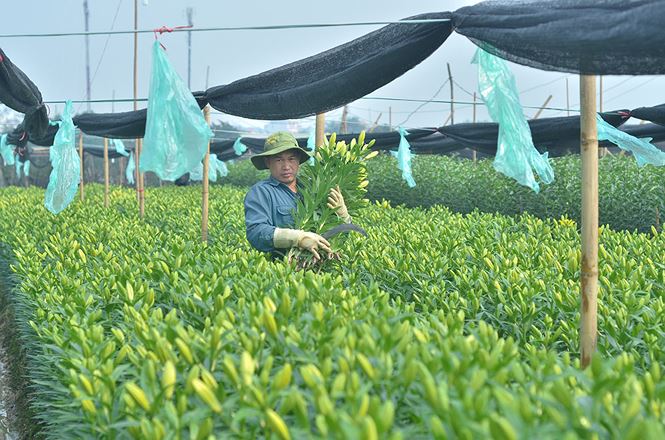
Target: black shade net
[654, 114]
[22, 95]
[601, 37]
[335, 77]
[546, 132]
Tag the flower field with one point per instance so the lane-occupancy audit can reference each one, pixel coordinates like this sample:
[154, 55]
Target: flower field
[630, 198]
[437, 325]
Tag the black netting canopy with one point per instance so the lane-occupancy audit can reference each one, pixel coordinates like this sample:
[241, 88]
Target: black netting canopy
[546, 132]
[335, 77]
[654, 114]
[602, 37]
[22, 95]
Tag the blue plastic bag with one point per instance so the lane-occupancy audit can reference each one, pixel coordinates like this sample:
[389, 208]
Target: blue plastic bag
[516, 156]
[176, 134]
[642, 149]
[119, 147]
[6, 151]
[19, 166]
[26, 167]
[239, 147]
[66, 173]
[216, 168]
[130, 170]
[404, 158]
[311, 145]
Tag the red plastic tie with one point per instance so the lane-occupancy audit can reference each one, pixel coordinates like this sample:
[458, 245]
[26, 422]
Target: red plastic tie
[165, 29]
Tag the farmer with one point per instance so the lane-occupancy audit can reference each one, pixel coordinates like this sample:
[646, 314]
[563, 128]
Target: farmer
[269, 203]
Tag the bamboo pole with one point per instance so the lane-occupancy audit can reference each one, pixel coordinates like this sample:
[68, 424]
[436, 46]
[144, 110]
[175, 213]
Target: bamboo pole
[81, 186]
[342, 127]
[137, 151]
[320, 128]
[390, 118]
[542, 107]
[474, 154]
[452, 97]
[589, 272]
[106, 173]
[206, 165]
[603, 150]
[376, 123]
[567, 99]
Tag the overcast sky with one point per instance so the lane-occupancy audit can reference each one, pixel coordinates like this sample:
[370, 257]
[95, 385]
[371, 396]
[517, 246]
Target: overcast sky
[57, 65]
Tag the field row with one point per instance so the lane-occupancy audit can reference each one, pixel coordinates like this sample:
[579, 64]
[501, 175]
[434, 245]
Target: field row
[437, 325]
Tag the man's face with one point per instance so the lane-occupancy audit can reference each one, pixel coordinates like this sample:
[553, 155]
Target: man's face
[284, 166]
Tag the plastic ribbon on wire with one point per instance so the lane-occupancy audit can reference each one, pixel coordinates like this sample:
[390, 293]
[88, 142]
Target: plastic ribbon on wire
[516, 156]
[239, 147]
[131, 168]
[19, 166]
[216, 168]
[642, 149]
[119, 147]
[66, 165]
[176, 133]
[6, 151]
[404, 158]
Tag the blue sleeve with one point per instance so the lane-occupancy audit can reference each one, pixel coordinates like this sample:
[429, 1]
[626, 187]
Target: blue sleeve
[258, 219]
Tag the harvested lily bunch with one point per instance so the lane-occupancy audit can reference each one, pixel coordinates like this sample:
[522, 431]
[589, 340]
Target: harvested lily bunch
[336, 165]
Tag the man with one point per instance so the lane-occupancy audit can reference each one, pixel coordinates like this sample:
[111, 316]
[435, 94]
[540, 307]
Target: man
[269, 204]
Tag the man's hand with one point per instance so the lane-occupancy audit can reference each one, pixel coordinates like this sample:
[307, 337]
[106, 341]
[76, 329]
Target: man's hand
[309, 241]
[336, 202]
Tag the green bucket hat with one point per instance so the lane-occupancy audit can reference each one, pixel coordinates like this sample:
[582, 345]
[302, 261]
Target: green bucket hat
[278, 143]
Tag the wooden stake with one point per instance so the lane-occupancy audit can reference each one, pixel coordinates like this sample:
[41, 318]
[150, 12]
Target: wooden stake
[137, 151]
[320, 129]
[376, 123]
[474, 154]
[342, 127]
[603, 150]
[390, 118]
[452, 97]
[542, 107]
[106, 173]
[567, 99]
[206, 165]
[589, 272]
[81, 186]
[141, 180]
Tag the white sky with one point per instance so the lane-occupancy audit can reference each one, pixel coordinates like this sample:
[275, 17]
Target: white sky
[57, 65]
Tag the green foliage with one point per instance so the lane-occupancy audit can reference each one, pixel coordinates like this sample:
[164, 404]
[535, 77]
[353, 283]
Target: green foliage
[630, 198]
[336, 165]
[437, 326]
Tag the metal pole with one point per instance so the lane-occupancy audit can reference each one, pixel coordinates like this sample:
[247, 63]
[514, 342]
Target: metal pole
[589, 270]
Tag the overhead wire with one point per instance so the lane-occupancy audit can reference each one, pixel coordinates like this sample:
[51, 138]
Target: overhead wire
[230, 28]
